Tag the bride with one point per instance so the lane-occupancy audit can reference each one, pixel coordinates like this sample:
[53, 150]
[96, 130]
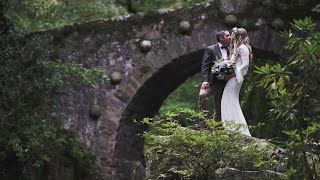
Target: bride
[231, 113]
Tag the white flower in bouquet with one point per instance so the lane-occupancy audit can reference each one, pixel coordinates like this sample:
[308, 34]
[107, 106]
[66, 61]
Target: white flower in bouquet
[222, 68]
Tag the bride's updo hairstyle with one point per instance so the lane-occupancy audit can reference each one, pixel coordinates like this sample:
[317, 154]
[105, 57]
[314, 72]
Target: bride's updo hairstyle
[239, 36]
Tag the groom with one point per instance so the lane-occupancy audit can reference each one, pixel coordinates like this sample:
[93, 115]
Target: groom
[211, 85]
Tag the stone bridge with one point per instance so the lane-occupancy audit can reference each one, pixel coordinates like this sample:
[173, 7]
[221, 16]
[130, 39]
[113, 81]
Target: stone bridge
[147, 56]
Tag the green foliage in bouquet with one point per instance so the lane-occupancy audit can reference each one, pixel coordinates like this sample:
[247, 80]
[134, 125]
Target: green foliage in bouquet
[294, 98]
[179, 152]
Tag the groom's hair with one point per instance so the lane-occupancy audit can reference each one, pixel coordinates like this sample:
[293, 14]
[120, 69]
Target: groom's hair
[220, 34]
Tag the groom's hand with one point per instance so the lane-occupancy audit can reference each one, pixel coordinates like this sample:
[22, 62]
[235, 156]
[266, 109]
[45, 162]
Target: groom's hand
[205, 85]
[229, 76]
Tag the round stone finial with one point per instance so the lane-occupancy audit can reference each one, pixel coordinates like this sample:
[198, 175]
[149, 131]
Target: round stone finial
[115, 77]
[277, 23]
[185, 27]
[145, 45]
[95, 111]
[231, 20]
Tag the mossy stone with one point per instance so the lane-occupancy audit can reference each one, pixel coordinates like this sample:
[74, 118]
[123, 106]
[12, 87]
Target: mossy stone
[145, 68]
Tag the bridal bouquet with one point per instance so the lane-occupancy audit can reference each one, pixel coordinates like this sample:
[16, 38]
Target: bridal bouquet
[222, 68]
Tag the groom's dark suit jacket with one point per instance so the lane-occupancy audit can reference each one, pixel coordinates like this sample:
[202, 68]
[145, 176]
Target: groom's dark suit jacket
[211, 54]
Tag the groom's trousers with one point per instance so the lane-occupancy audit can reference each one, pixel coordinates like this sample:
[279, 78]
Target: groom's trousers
[216, 90]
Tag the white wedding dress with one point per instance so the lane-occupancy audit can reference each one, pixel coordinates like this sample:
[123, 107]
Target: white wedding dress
[231, 113]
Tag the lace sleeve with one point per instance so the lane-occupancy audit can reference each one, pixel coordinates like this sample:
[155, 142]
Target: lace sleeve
[243, 69]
